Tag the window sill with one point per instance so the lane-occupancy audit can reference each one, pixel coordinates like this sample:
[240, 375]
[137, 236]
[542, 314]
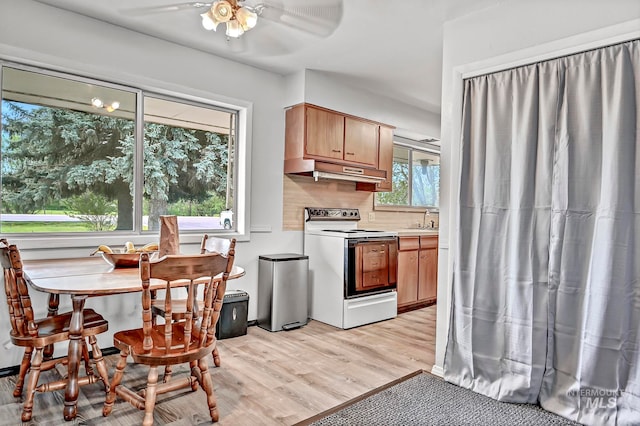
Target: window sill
[53, 243]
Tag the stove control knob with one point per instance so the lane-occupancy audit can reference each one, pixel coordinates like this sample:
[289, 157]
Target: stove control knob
[344, 213]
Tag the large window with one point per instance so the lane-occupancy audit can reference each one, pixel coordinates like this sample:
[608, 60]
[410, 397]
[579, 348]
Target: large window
[82, 156]
[416, 179]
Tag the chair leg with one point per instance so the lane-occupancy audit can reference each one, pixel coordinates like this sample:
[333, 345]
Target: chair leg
[24, 367]
[192, 367]
[34, 375]
[117, 378]
[167, 373]
[216, 357]
[85, 355]
[207, 386]
[101, 365]
[150, 396]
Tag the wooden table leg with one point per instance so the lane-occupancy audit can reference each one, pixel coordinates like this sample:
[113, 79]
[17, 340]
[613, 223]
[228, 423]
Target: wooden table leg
[75, 355]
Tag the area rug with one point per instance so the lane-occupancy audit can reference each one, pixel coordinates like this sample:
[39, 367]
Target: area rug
[423, 399]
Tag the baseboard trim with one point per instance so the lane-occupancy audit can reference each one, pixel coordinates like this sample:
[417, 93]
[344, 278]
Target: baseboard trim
[418, 305]
[437, 370]
[9, 371]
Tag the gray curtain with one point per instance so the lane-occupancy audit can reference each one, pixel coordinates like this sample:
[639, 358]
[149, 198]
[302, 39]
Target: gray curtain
[546, 282]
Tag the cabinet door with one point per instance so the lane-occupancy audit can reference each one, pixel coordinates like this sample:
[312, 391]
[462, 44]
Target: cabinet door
[428, 275]
[385, 158]
[325, 134]
[361, 142]
[407, 277]
[385, 162]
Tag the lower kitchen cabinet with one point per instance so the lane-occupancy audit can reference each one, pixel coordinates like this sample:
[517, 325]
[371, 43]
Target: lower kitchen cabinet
[417, 271]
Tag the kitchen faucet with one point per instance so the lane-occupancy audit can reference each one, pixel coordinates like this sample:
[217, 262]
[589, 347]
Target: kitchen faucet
[427, 212]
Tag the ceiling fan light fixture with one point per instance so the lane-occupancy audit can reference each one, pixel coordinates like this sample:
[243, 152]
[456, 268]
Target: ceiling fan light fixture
[208, 21]
[238, 18]
[246, 18]
[222, 11]
[234, 29]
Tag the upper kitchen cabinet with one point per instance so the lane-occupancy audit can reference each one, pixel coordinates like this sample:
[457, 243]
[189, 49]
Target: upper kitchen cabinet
[361, 142]
[325, 143]
[324, 135]
[385, 162]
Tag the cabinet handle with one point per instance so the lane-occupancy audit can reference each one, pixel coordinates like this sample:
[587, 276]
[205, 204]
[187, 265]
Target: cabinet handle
[350, 153]
[335, 150]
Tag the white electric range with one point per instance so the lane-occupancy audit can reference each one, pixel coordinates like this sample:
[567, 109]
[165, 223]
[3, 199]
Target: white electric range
[353, 271]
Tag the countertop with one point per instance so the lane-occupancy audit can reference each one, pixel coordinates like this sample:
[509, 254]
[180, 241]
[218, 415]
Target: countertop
[409, 232]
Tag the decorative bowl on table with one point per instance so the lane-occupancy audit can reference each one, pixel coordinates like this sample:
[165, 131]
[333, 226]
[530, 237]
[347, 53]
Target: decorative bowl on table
[122, 260]
[127, 258]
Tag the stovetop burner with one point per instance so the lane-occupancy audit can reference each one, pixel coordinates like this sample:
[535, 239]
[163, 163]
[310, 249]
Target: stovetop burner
[339, 223]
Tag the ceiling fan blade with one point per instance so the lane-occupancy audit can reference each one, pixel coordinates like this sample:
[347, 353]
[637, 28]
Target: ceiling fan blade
[148, 10]
[316, 17]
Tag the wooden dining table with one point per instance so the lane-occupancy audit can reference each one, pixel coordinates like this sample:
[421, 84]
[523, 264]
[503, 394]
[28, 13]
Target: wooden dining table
[82, 278]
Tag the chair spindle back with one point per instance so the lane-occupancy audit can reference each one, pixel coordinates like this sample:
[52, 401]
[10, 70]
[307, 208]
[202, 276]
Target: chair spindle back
[193, 270]
[16, 290]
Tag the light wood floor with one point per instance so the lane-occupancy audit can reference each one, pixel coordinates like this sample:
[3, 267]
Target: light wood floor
[266, 378]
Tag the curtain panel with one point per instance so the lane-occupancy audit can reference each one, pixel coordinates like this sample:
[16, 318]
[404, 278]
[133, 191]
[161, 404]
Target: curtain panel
[546, 280]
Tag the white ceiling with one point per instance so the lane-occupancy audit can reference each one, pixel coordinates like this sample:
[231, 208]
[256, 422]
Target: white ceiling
[392, 48]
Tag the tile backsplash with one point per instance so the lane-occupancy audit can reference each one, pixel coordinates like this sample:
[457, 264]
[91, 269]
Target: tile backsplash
[302, 191]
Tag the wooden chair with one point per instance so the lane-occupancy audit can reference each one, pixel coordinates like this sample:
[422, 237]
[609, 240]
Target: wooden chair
[37, 334]
[175, 342]
[208, 245]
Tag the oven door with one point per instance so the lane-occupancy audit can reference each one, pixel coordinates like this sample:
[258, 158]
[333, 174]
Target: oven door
[371, 265]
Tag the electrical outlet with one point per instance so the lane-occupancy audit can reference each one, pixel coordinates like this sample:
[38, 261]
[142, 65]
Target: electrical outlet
[372, 216]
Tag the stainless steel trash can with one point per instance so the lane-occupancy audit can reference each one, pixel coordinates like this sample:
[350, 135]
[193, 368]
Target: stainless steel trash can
[283, 286]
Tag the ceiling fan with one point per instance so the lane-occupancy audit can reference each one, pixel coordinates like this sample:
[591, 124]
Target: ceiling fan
[316, 17]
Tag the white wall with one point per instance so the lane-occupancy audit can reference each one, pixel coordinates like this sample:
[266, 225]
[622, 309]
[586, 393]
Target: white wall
[509, 34]
[40, 35]
[295, 88]
[321, 89]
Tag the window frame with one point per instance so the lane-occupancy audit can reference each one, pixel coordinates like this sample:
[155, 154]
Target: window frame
[411, 146]
[138, 186]
[241, 166]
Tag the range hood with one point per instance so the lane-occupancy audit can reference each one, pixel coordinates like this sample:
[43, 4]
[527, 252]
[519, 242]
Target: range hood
[324, 170]
[345, 176]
